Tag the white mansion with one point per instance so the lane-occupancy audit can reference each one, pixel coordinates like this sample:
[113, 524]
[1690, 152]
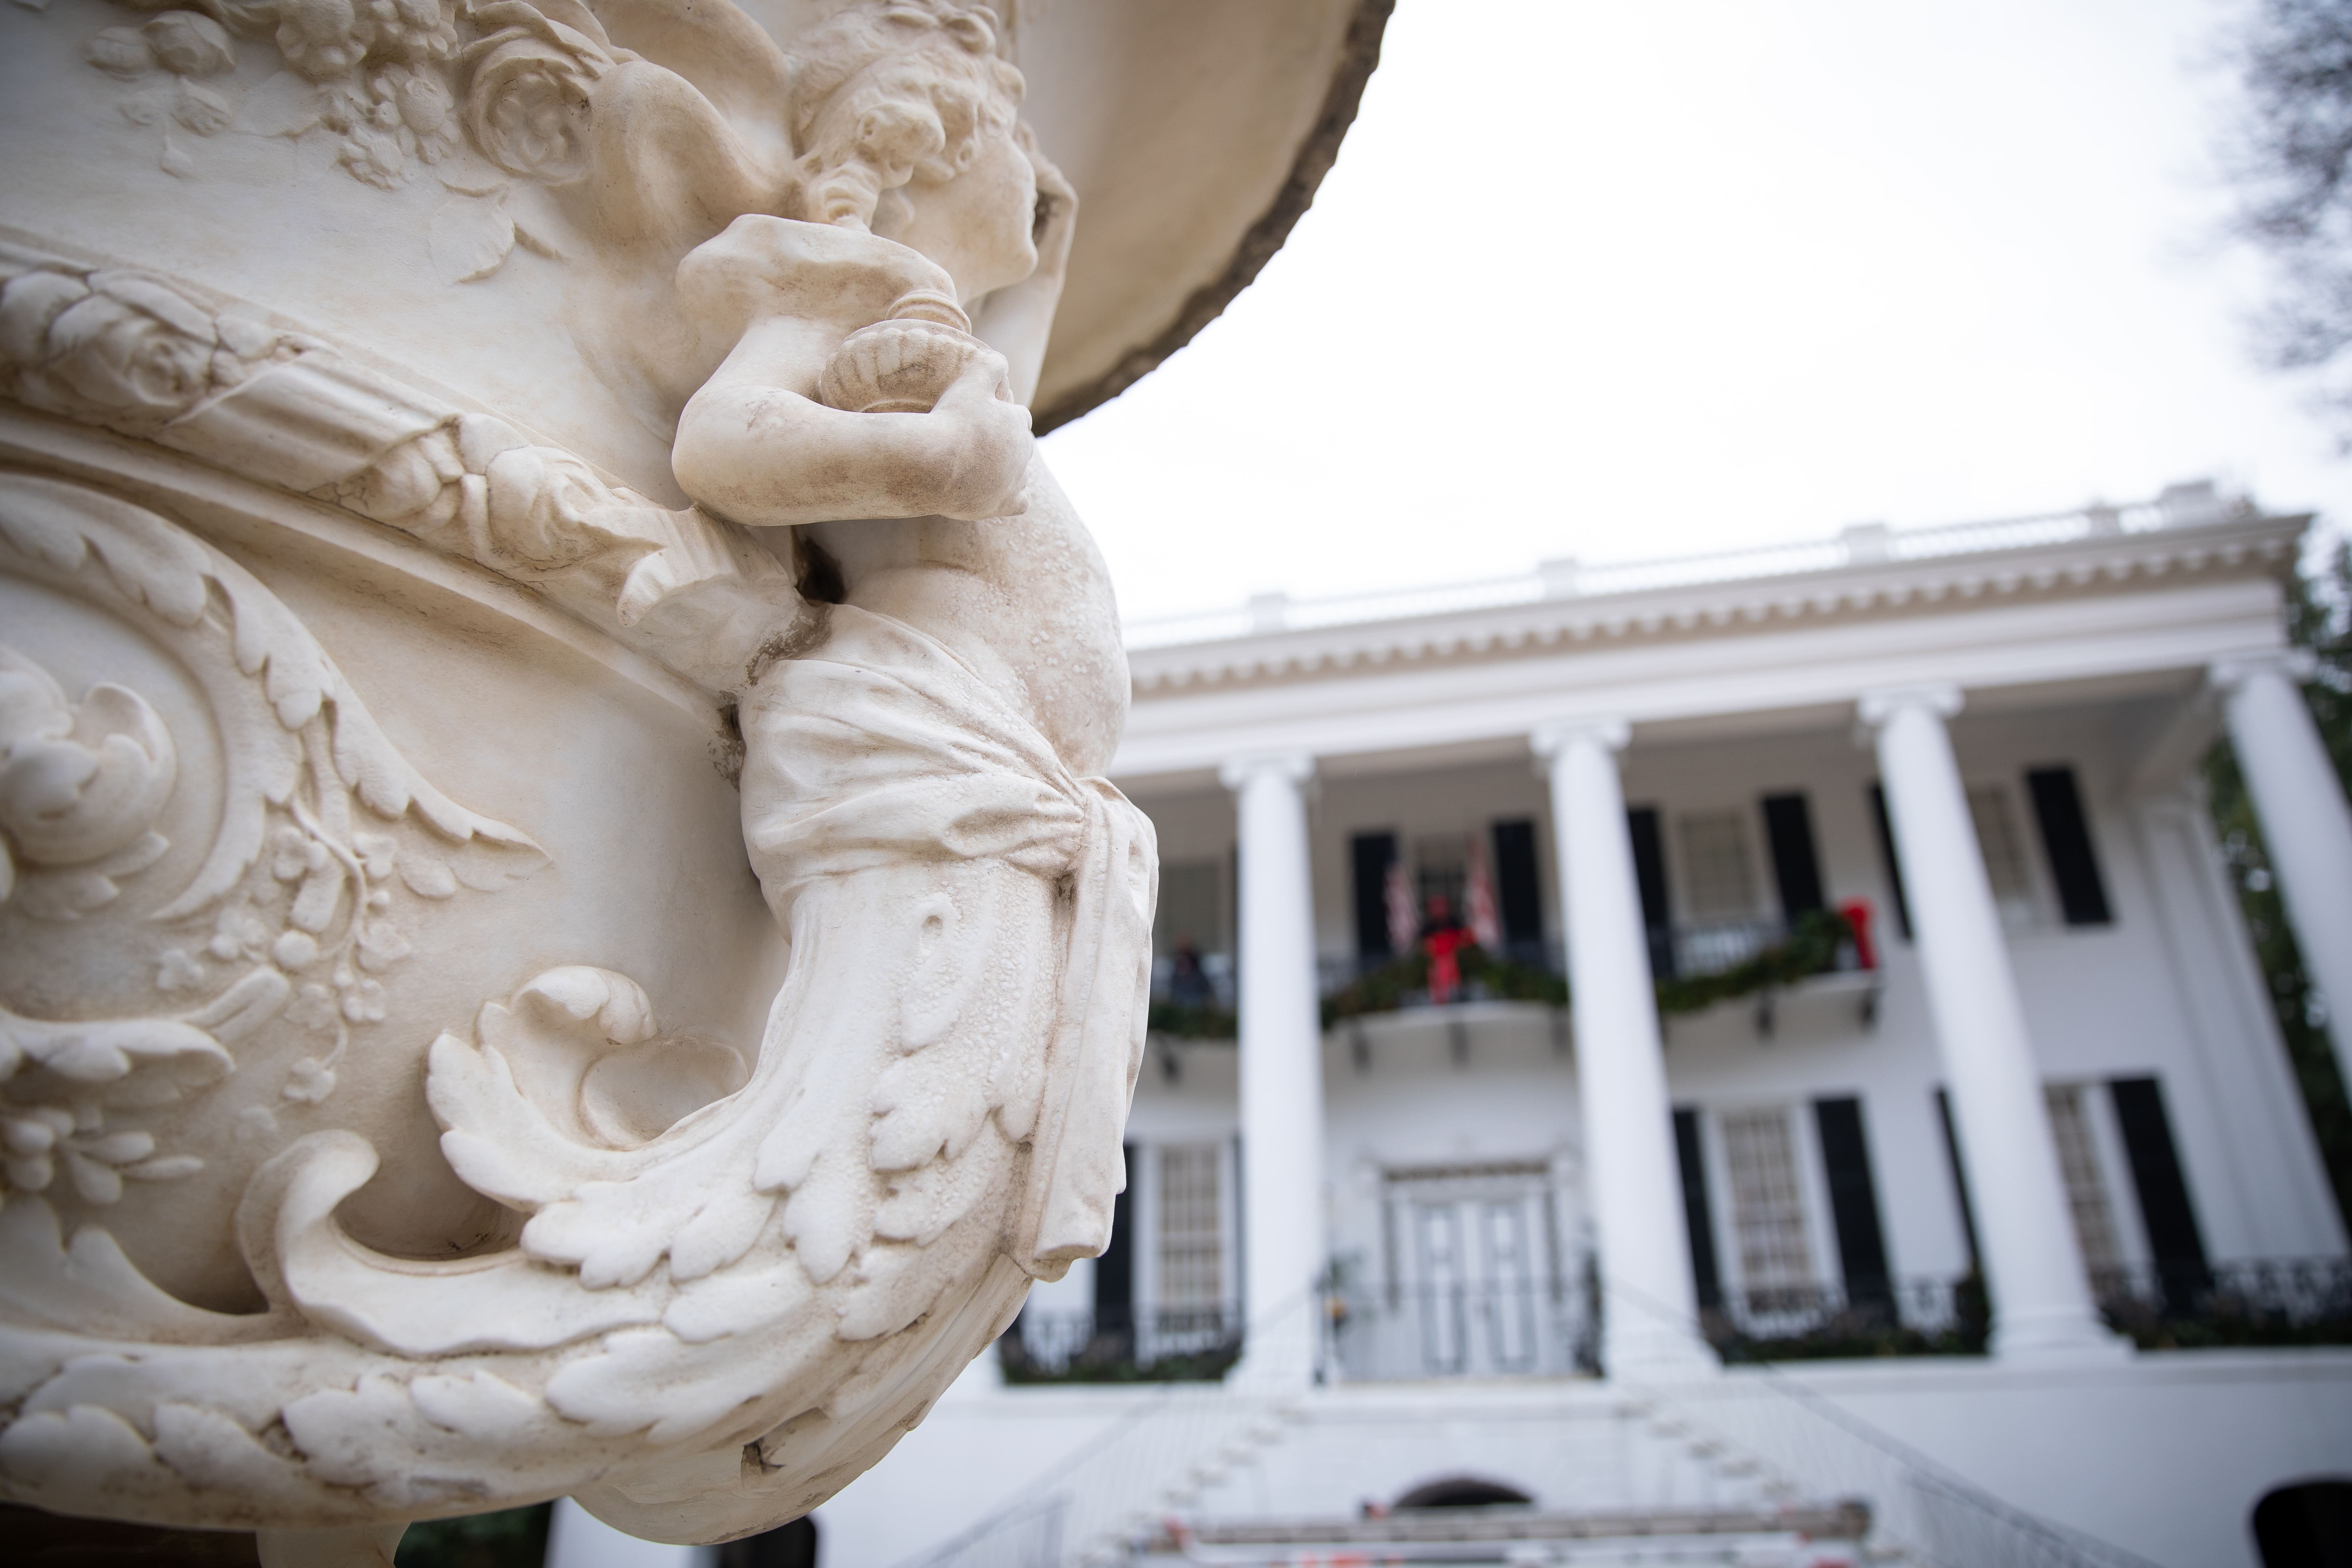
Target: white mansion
[1904, 981]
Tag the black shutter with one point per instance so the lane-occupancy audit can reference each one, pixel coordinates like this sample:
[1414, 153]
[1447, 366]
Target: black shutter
[2066, 840]
[1371, 855]
[1650, 871]
[1518, 890]
[1854, 1201]
[1894, 862]
[1699, 1219]
[2172, 1235]
[1114, 1269]
[1959, 1176]
[1788, 824]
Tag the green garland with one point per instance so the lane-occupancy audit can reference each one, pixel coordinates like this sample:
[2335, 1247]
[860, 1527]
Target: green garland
[1811, 948]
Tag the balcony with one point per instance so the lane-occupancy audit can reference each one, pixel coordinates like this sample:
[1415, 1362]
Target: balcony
[1121, 1344]
[2249, 1302]
[2255, 1301]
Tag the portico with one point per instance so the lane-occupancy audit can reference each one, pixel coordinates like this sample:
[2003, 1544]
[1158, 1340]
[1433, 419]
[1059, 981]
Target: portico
[2075, 660]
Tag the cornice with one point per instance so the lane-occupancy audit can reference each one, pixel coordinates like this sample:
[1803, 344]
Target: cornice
[2076, 568]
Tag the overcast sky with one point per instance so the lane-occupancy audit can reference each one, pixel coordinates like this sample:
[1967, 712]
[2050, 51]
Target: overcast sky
[1623, 279]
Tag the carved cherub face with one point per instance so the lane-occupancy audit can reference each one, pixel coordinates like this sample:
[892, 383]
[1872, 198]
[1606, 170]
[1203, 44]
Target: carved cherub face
[979, 224]
[906, 120]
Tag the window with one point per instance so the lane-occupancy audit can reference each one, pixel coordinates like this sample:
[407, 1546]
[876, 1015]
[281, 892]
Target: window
[2066, 839]
[1191, 1249]
[2006, 867]
[1370, 856]
[1717, 873]
[1441, 867]
[2086, 1190]
[1192, 908]
[1768, 1206]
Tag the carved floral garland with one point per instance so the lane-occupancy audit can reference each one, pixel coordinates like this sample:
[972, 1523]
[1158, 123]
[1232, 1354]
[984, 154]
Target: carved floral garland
[220, 381]
[401, 84]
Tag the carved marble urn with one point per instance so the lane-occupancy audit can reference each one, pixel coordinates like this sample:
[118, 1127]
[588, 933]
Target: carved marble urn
[561, 927]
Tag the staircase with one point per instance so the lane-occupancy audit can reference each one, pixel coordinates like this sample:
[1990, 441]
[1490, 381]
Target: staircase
[1206, 1475]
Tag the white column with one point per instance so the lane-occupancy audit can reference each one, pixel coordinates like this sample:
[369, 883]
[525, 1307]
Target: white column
[1281, 1072]
[2040, 1291]
[2306, 821]
[1633, 1184]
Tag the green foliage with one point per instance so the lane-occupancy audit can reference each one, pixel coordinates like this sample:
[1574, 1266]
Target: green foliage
[1811, 948]
[1115, 1363]
[511, 1538]
[2291, 154]
[1493, 979]
[1188, 1021]
[2316, 619]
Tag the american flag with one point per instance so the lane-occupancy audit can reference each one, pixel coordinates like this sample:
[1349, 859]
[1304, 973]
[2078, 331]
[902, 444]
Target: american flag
[1486, 925]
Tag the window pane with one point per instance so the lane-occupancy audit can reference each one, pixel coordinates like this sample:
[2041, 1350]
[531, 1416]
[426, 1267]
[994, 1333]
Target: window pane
[1716, 868]
[2087, 1192]
[1768, 1209]
[1441, 866]
[1189, 908]
[1192, 1260]
[2004, 854]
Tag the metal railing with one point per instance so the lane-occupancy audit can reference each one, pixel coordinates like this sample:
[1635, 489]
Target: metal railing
[1816, 1320]
[1120, 1343]
[1463, 1328]
[2180, 506]
[2244, 1301]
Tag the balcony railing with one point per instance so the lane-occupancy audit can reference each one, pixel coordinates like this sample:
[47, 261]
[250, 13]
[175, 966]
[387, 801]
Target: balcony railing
[1465, 1329]
[1809, 1320]
[2258, 1302]
[2255, 1301]
[1121, 1344]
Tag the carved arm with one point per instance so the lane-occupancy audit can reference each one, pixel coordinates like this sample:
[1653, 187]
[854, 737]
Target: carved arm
[755, 447]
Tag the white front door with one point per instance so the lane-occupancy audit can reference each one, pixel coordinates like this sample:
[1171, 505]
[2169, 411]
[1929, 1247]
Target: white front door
[1476, 1286]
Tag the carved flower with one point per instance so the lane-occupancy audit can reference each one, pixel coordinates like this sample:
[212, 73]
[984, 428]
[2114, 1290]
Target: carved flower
[294, 854]
[365, 1002]
[189, 43]
[375, 158]
[378, 854]
[177, 970]
[119, 51]
[527, 104]
[314, 1007]
[310, 1081]
[129, 349]
[544, 505]
[326, 39]
[77, 783]
[320, 38]
[237, 933]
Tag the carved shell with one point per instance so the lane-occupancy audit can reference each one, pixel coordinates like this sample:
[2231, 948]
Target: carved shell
[895, 367]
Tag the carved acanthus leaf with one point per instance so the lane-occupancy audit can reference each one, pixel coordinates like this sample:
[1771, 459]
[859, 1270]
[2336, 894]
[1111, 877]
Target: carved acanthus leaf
[295, 892]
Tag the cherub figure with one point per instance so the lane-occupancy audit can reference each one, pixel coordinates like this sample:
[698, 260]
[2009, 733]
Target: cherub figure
[923, 746]
[860, 408]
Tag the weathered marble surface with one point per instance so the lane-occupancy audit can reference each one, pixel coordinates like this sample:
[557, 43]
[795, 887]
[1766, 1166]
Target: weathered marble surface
[559, 930]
